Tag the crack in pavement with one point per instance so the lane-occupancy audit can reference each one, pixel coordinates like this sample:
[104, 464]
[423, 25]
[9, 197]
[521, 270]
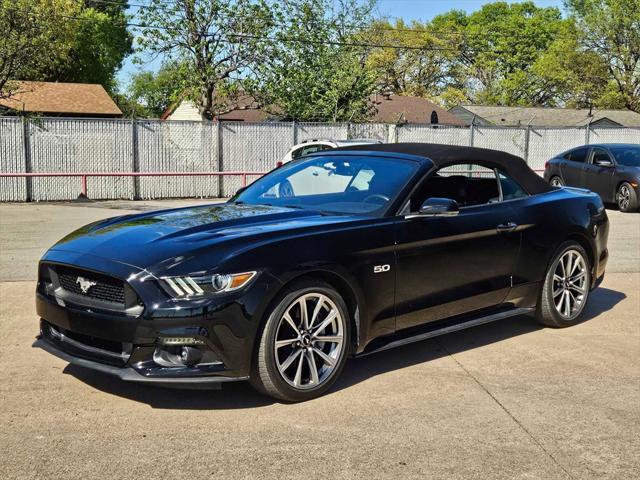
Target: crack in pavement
[505, 409]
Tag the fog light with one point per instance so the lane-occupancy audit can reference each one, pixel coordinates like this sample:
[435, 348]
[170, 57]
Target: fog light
[179, 341]
[190, 355]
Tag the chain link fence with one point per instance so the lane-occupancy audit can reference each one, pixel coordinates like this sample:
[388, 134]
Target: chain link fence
[113, 145]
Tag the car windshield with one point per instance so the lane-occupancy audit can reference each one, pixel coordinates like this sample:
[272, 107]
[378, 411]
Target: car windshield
[332, 184]
[629, 156]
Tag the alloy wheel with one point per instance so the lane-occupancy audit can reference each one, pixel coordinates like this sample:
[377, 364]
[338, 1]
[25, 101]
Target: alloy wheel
[309, 340]
[570, 284]
[556, 182]
[624, 197]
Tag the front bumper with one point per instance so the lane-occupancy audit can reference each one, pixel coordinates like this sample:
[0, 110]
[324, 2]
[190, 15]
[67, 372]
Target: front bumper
[130, 374]
[125, 345]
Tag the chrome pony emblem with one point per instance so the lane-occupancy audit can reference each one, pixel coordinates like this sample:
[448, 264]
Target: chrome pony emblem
[85, 284]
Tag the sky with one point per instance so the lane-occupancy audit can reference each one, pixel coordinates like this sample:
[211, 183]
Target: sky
[408, 10]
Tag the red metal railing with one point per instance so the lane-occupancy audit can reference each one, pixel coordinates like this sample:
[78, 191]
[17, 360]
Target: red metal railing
[85, 175]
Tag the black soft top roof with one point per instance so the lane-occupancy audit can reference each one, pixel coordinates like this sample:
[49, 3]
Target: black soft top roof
[443, 155]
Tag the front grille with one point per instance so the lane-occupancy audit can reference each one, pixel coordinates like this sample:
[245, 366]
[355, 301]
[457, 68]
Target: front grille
[111, 346]
[85, 346]
[105, 288]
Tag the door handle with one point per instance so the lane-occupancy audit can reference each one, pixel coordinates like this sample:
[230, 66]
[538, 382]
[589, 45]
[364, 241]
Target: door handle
[507, 227]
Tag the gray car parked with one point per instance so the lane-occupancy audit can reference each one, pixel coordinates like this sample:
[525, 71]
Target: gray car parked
[612, 170]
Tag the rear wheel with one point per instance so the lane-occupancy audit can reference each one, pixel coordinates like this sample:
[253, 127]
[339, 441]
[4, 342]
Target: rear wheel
[626, 198]
[566, 287]
[556, 181]
[304, 343]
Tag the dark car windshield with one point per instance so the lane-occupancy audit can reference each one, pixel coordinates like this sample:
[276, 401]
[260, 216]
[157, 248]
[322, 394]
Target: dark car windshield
[332, 184]
[629, 156]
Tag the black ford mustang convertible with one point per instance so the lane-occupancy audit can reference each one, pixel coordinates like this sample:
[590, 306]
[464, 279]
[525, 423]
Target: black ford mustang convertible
[343, 252]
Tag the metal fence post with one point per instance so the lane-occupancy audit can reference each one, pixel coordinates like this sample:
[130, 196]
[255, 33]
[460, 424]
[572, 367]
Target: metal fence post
[471, 134]
[527, 135]
[392, 133]
[294, 132]
[587, 133]
[135, 158]
[219, 158]
[26, 145]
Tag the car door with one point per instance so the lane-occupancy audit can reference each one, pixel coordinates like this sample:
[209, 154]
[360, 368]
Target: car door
[572, 168]
[599, 178]
[448, 266]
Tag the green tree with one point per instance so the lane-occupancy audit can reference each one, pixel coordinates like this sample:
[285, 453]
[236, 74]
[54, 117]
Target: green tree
[316, 70]
[502, 43]
[100, 44]
[571, 75]
[156, 91]
[611, 29]
[218, 42]
[422, 68]
[62, 40]
[35, 39]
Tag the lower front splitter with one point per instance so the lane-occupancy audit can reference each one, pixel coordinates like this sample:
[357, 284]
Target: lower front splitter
[129, 374]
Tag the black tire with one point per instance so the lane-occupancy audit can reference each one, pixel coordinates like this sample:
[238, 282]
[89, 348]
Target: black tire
[266, 376]
[556, 181]
[626, 198]
[547, 311]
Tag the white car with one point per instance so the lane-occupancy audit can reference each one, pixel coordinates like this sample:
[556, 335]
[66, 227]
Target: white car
[330, 182]
[317, 145]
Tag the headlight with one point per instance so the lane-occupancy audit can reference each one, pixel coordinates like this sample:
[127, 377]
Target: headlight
[188, 286]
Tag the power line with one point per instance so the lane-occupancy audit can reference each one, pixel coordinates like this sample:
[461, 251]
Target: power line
[286, 39]
[290, 39]
[373, 26]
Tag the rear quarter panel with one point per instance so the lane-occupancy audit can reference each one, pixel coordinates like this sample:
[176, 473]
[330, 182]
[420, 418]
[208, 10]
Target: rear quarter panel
[552, 168]
[547, 220]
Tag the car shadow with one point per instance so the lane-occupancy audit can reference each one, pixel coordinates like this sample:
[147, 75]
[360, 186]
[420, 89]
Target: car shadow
[240, 395]
[601, 300]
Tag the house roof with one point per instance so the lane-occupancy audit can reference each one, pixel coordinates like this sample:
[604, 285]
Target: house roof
[406, 109]
[82, 99]
[550, 117]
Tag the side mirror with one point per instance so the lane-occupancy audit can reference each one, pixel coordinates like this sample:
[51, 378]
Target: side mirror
[604, 163]
[436, 207]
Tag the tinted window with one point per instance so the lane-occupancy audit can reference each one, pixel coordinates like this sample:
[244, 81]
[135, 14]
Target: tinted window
[510, 189]
[629, 156]
[308, 149]
[467, 184]
[579, 155]
[599, 155]
[332, 184]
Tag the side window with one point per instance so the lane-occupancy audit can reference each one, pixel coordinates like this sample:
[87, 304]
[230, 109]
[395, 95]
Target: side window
[579, 155]
[308, 149]
[600, 154]
[467, 184]
[510, 188]
[297, 153]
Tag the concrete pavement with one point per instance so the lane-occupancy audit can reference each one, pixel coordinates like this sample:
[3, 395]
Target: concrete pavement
[505, 400]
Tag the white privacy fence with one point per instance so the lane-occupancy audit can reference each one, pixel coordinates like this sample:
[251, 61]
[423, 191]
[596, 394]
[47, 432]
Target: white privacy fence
[59, 145]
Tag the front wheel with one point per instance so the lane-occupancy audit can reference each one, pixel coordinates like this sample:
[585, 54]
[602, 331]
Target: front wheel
[556, 181]
[304, 343]
[566, 287]
[626, 198]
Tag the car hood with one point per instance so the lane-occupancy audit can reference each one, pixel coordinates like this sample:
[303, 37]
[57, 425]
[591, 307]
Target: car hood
[170, 239]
